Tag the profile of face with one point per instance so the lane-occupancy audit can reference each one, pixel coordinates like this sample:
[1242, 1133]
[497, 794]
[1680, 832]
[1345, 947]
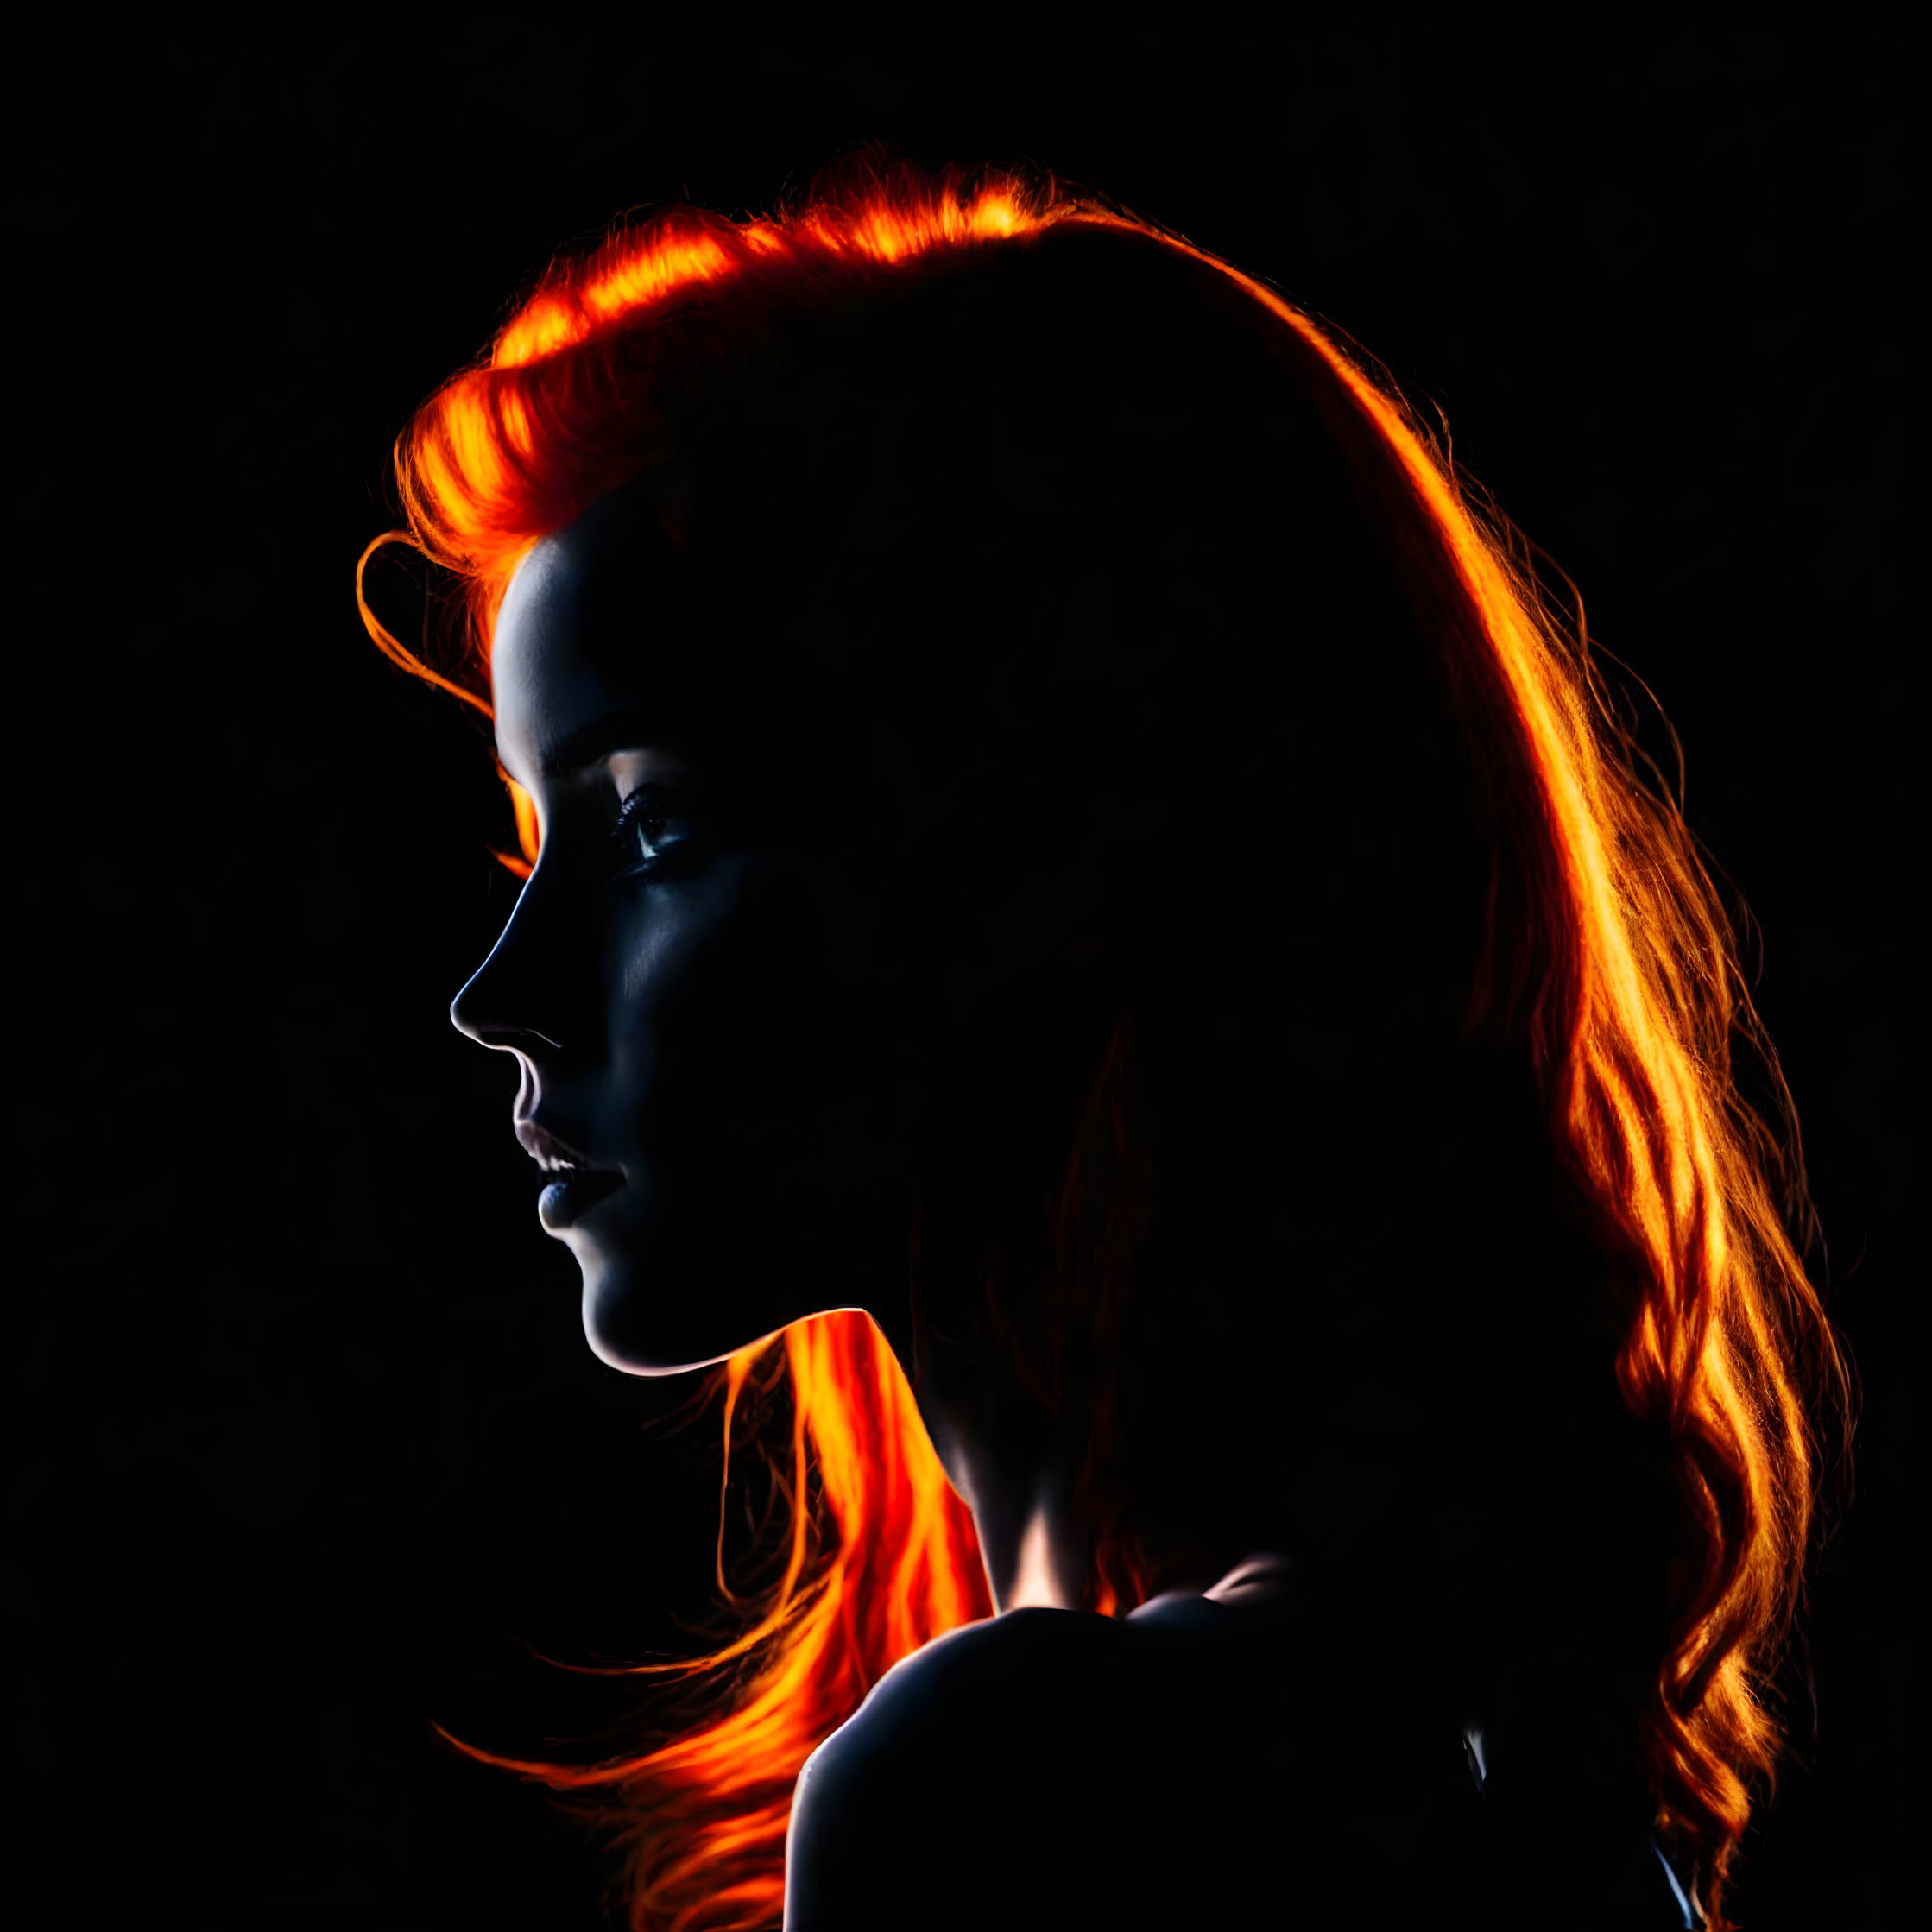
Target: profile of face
[694, 1078]
[1038, 665]
[840, 892]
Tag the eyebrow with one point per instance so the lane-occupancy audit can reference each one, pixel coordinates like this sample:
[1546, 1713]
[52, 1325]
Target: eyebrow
[629, 729]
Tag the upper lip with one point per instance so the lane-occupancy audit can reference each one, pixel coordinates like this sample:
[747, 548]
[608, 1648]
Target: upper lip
[553, 1154]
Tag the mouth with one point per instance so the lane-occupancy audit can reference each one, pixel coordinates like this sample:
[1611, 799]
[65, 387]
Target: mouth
[574, 1183]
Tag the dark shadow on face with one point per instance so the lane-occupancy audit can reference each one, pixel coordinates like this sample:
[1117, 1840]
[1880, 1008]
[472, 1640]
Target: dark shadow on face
[1041, 653]
[1025, 657]
[1034, 651]
[690, 1082]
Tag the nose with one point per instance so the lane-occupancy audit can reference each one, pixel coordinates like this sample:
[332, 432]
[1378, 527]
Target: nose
[505, 1039]
[499, 1006]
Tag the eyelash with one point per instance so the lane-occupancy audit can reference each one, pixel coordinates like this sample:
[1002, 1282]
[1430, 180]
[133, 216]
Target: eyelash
[649, 804]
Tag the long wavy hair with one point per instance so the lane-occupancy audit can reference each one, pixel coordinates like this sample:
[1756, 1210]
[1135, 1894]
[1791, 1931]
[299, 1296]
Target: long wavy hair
[1607, 958]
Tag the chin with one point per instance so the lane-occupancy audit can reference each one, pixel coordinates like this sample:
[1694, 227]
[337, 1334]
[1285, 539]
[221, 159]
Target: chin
[617, 1327]
[628, 1293]
[659, 1320]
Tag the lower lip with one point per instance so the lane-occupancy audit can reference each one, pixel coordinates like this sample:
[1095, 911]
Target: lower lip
[564, 1202]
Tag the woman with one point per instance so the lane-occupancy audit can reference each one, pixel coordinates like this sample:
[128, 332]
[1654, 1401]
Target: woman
[1073, 882]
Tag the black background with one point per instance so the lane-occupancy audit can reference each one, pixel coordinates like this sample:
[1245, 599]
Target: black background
[307, 1436]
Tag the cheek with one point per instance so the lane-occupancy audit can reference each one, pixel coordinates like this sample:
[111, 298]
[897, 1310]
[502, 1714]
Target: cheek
[711, 1005]
[659, 944]
[740, 1036]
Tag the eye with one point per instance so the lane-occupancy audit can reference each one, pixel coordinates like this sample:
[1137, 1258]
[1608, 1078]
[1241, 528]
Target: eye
[653, 826]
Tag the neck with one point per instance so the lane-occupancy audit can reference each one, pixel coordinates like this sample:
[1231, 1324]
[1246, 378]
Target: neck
[1037, 1556]
[1001, 1453]
[1016, 1487]
[1006, 1461]
[1031, 1561]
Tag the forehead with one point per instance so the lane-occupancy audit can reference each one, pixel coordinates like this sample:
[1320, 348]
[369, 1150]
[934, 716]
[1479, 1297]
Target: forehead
[590, 627]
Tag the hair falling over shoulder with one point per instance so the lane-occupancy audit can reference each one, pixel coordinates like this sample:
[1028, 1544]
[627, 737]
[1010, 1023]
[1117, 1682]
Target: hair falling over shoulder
[1608, 958]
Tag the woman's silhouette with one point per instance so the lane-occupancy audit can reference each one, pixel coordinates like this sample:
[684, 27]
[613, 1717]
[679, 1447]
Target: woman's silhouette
[1082, 916]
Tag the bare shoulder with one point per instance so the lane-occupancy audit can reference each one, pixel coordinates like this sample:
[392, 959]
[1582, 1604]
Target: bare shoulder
[916, 1810]
[965, 1673]
[1023, 1770]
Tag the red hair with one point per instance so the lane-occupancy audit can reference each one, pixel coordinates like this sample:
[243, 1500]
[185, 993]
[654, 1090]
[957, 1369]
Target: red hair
[1608, 956]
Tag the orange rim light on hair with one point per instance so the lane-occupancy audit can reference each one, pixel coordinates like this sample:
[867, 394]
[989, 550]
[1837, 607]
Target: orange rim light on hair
[1631, 1035]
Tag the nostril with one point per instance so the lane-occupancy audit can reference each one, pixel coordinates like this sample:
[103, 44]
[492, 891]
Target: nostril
[512, 1040]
